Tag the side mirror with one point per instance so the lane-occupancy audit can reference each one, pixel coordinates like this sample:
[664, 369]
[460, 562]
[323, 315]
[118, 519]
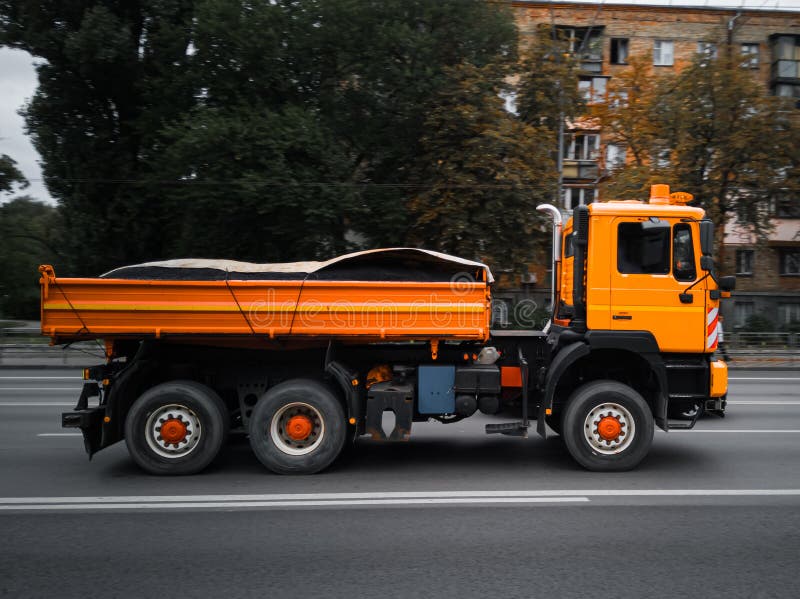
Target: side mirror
[706, 238]
[706, 263]
[727, 283]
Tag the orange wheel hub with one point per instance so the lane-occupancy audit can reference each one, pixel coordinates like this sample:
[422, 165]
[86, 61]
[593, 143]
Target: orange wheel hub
[299, 427]
[609, 428]
[173, 431]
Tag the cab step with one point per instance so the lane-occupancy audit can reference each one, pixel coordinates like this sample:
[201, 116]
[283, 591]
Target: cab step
[513, 429]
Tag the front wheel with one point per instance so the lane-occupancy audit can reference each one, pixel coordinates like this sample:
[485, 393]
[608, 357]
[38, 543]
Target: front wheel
[298, 427]
[607, 426]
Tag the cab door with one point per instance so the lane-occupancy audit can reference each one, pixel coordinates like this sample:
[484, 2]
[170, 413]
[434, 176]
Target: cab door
[656, 261]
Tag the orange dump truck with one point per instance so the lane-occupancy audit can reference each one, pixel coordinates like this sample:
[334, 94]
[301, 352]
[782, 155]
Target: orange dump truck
[306, 357]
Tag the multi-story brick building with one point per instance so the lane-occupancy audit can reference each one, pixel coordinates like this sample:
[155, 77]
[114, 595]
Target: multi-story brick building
[605, 36]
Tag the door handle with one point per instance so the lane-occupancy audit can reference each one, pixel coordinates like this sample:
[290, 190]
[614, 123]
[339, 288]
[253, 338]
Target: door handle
[622, 317]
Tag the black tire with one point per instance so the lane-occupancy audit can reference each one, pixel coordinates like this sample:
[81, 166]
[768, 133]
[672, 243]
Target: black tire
[607, 401]
[269, 435]
[188, 404]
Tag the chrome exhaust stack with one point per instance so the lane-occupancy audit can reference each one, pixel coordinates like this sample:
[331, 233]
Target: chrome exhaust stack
[555, 213]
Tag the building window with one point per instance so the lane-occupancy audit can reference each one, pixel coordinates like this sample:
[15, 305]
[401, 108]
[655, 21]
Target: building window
[578, 196]
[750, 56]
[785, 206]
[586, 43]
[708, 50]
[593, 89]
[785, 70]
[663, 159]
[582, 147]
[789, 313]
[742, 311]
[643, 250]
[663, 53]
[785, 90]
[618, 99]
[744, 262]
[619, 50]
[615, 155]
[789, 261]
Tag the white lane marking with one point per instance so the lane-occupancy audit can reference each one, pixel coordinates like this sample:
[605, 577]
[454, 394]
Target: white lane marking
[738, 430]
[41, 378]
[274, 504]
[39, 388]
[762, 378]
[763, 403]
[377, 499]
[60, 435]
[103, 499]
[26, 404]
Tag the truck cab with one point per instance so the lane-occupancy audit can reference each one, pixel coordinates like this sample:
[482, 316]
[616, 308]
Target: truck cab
[637, 301]
[644, 272]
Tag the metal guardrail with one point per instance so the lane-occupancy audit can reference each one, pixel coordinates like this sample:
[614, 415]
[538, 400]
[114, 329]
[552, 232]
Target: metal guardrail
[22, 344]
[767, 339]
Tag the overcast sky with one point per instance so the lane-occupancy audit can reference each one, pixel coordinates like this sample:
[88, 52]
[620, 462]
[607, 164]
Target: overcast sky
[18, 84]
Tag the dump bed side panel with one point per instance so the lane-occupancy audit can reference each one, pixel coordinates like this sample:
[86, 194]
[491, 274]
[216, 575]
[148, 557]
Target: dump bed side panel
[96, 308]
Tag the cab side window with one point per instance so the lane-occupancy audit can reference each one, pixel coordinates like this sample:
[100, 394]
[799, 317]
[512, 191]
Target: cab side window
[683, 267]
[643, 248]
[569, 246]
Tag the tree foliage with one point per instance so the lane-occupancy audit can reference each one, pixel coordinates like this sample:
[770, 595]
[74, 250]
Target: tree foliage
[10, 175]
[548, 87]
[111, 74]
[28, 230]
[710, 130]
[631, 118]
[487, 171]
[264, 131]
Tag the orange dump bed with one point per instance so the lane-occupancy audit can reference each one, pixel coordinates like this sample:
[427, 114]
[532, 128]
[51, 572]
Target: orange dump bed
[90, 308]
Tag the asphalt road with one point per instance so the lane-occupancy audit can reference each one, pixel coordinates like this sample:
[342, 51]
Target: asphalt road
[711, 512]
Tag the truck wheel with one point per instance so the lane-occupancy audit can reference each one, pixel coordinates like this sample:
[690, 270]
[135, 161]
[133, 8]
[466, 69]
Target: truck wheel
[607, 426]
[176, 428]
[297, 427]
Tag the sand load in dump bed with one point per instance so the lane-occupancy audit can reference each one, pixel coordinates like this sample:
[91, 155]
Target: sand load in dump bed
[389, 294]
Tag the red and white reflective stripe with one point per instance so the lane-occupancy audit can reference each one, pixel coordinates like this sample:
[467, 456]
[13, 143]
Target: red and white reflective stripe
[712, 328]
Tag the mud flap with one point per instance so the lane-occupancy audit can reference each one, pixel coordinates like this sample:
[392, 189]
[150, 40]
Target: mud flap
[89, 420]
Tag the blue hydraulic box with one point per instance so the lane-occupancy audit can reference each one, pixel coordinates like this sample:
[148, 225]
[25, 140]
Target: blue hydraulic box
[436, 389]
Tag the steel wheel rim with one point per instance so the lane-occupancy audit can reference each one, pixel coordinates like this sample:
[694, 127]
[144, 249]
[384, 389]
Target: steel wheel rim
[175, 445]
[281, 438]
[602, 444]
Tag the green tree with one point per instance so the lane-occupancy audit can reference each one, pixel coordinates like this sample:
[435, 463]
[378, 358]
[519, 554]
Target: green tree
[729, 143]
[487, 171]
[254, 130]
[29, 230]
[630, 118]
[338, 92]
[548, 85]
[112, 74]
[10, 175]
[710, 130]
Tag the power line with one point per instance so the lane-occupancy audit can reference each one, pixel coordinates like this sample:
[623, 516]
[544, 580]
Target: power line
[304, 184]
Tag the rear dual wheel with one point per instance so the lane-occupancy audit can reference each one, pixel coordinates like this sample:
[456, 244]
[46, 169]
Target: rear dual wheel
[298, 427]
[607, 426]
